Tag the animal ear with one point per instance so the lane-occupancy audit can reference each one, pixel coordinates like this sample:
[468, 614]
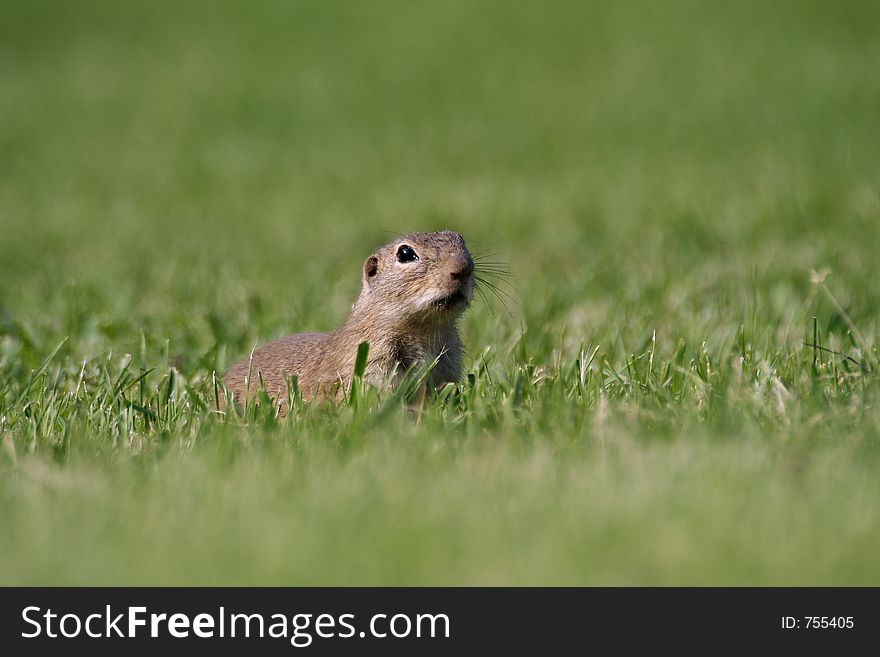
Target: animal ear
[371, 266]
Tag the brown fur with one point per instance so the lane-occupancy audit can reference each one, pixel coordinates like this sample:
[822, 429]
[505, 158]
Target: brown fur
[399, 313]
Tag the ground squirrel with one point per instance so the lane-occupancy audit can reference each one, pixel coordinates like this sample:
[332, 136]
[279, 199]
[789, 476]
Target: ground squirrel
[414, 290]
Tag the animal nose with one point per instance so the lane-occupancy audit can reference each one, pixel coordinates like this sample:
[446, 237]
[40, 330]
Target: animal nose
[463, 272]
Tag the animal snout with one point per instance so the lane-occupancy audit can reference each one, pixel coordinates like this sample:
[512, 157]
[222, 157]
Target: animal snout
[463, 272]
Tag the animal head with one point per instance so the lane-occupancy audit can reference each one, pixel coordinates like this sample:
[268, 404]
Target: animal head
[420, 277]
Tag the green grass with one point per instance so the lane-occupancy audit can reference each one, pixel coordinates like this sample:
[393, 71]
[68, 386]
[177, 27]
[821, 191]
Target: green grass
[678, 189]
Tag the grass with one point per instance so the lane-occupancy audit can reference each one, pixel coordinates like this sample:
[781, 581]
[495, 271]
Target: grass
[683, 390]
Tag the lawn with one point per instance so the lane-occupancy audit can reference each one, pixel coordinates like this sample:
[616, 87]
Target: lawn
[679, 385]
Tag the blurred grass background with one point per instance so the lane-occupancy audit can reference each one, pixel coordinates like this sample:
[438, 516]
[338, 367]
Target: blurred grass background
[181, 181]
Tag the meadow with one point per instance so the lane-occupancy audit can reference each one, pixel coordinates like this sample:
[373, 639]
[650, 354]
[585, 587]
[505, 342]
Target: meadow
[678, 386]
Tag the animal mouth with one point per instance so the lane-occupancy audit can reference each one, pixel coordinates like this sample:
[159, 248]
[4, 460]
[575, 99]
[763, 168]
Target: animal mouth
[451, 301]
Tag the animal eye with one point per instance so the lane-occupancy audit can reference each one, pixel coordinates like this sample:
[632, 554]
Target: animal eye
[406, 254]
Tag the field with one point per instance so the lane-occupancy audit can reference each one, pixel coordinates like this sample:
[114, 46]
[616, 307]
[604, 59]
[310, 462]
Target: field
[681, 387]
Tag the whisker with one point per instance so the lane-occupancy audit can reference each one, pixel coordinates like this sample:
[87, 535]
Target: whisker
[498, 282]
[489, 263]
[497, 290]
[497, 273]
[485, 300]
[494, 279]
[493, 266]
[492, 275]
[503, 296]
[499, 295]
[490, 252]
[493, 270]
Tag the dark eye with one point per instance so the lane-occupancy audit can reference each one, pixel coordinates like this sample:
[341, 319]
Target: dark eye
[406, 254]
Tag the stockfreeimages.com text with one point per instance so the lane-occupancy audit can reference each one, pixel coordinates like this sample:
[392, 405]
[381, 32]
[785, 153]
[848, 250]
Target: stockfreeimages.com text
[300, 629]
